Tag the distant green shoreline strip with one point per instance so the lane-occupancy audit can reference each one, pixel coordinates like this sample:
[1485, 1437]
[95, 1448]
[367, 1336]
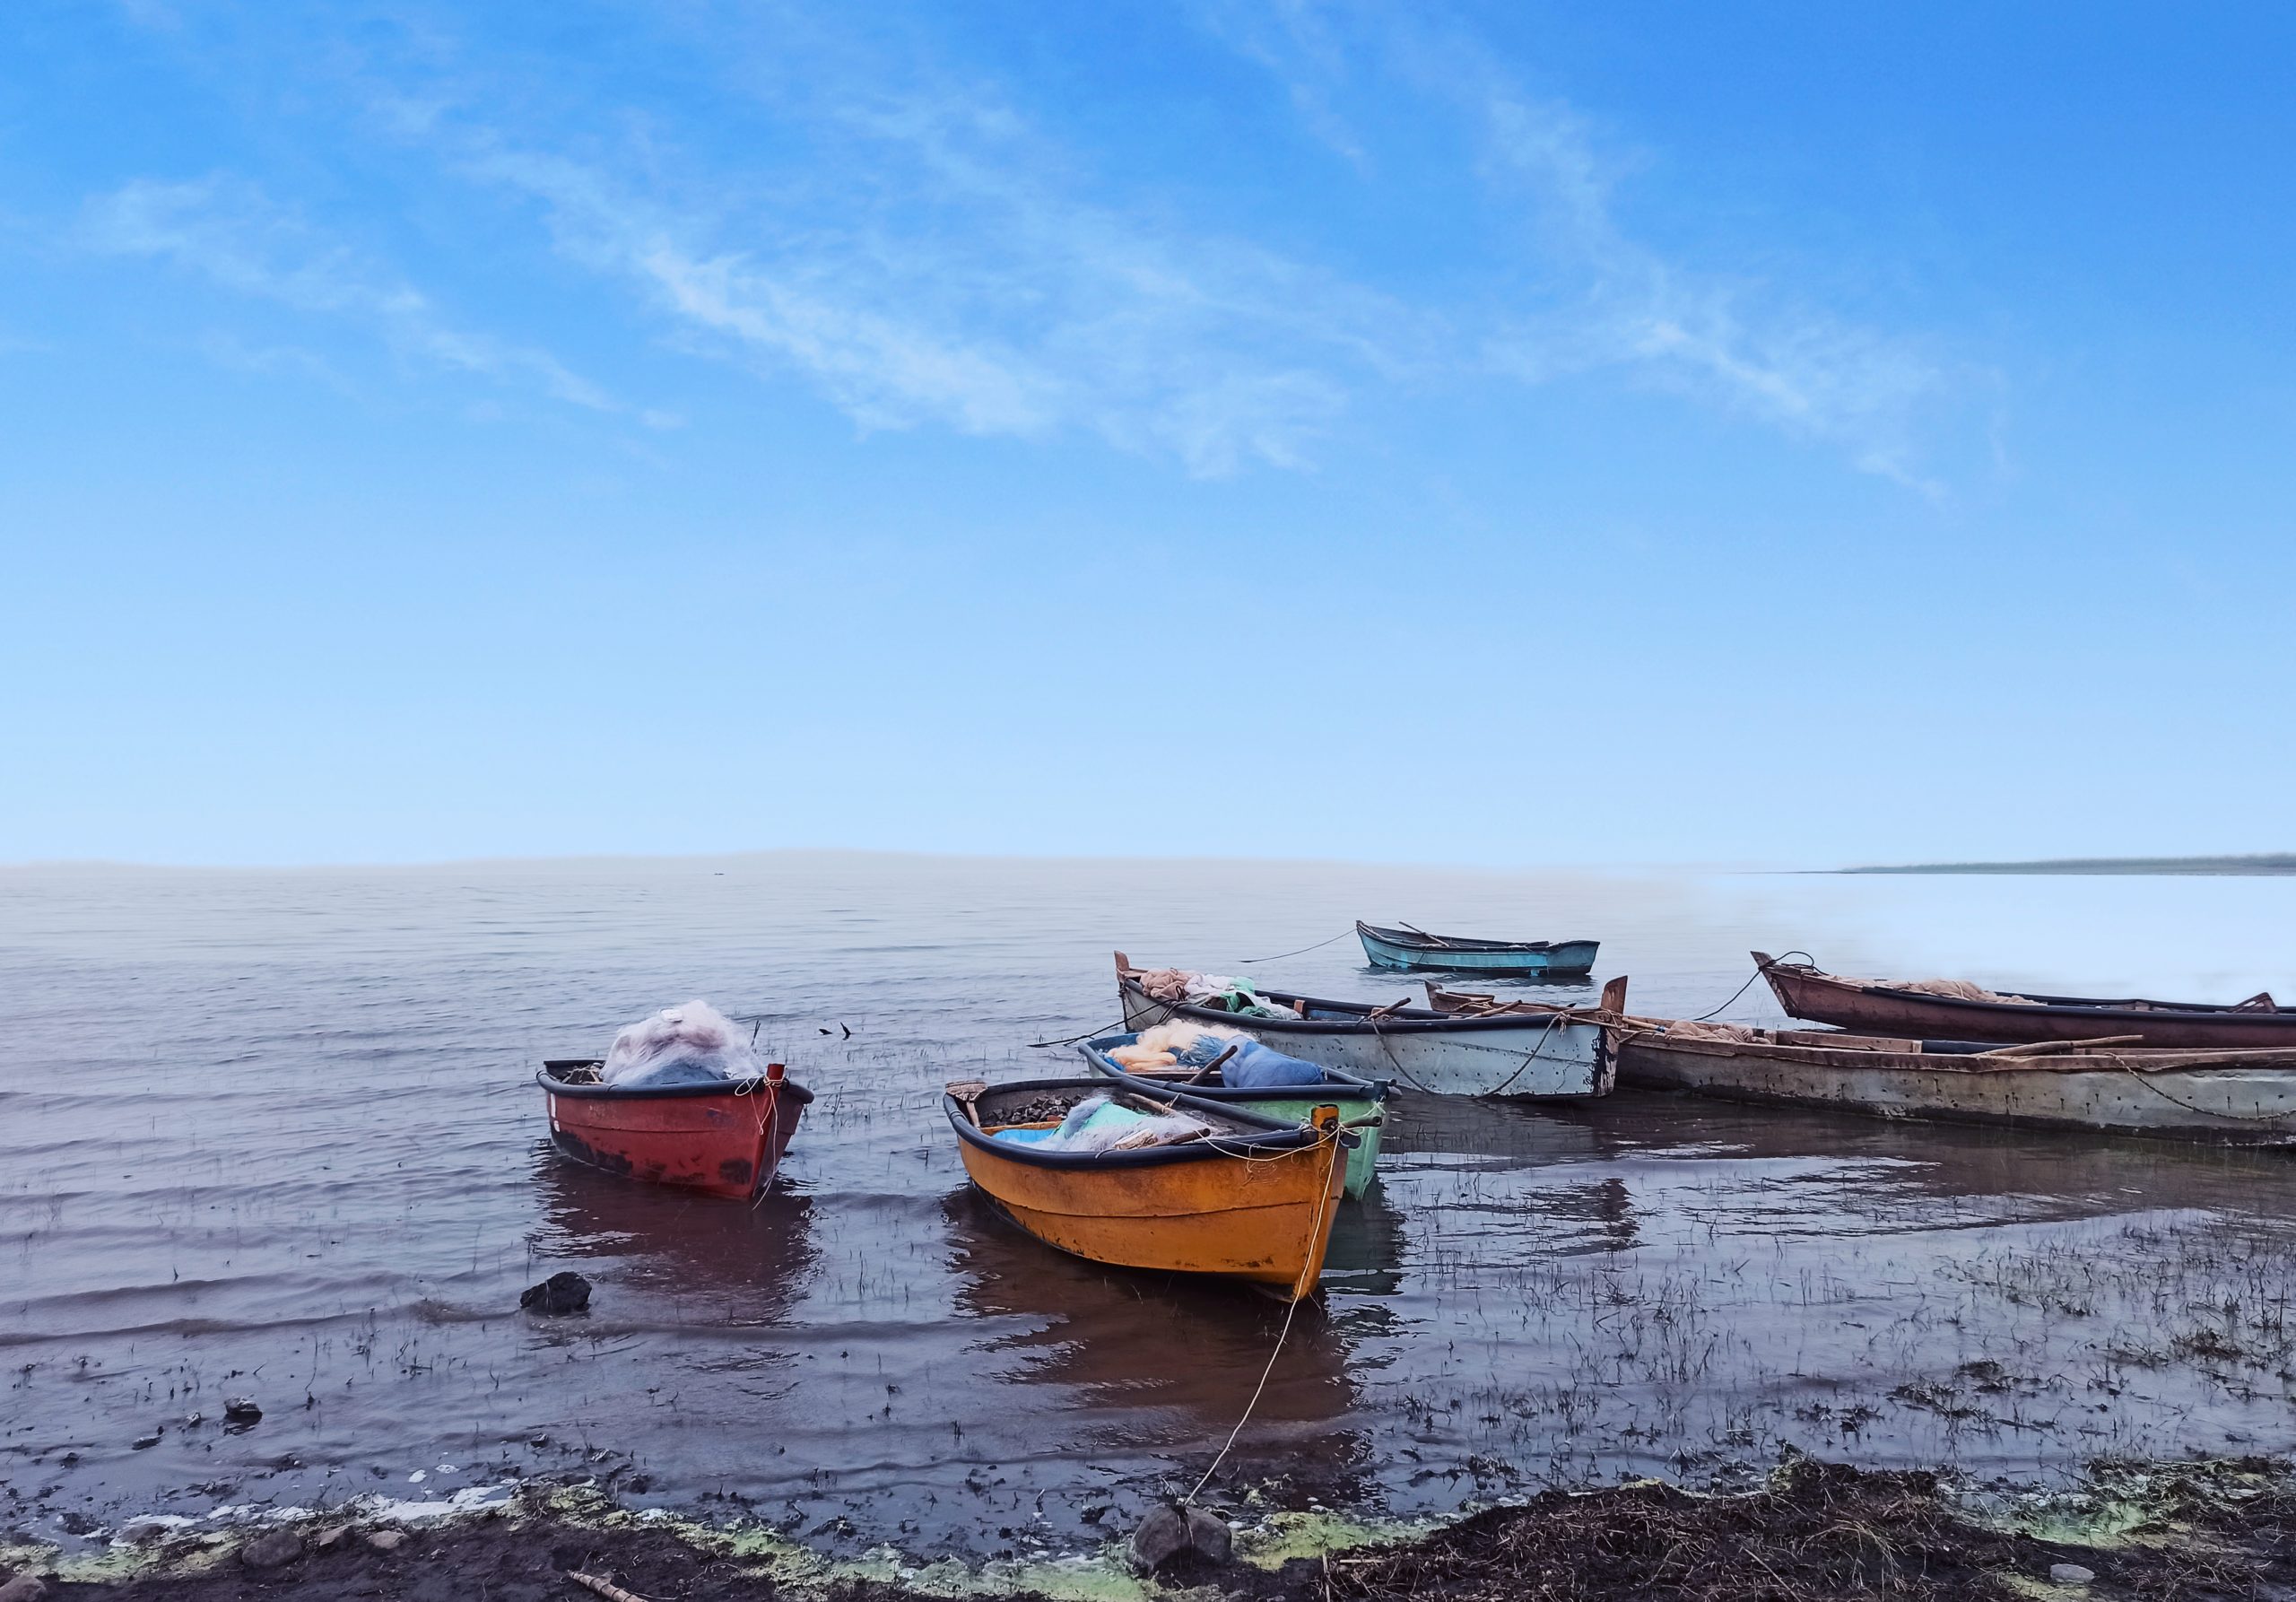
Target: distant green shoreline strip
[2282, 863]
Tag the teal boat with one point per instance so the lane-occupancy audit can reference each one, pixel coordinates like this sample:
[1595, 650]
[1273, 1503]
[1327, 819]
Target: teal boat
[1362, 1103]
[1409, 948]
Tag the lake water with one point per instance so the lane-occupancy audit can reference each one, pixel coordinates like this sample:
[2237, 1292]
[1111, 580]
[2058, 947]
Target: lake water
[275, 1134]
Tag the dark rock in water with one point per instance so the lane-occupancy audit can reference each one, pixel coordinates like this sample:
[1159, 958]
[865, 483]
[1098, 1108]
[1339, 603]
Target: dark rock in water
[144, 1442]
[561, 1292]
[1170, 1535]
[242, 1410]
[273, 1551]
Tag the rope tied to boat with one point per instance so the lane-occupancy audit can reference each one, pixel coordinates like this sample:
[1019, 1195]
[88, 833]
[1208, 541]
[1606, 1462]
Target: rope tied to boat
[1315, 1233]
[1538, 1049]
[1760, 969]
[2238, 1118]
[1302, 952]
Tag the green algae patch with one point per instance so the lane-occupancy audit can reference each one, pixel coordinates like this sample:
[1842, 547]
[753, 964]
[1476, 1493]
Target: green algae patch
[2127, 1504]
[1281, 1537]
[767, 1553]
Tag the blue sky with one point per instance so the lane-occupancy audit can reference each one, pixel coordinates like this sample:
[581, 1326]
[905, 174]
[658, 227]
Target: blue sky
[1779, 433]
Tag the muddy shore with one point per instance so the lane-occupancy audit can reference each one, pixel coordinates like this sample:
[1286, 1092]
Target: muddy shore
[1814, 1530]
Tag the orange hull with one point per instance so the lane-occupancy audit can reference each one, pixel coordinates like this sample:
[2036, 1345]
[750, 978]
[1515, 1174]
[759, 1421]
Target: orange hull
[1265, 1217]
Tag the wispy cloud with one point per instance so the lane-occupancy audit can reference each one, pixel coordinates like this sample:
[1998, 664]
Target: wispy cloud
[1601, 299]
[911, 236]
[944, 278]
[230, 233]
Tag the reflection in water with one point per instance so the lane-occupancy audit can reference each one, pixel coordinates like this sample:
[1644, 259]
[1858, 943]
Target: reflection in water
[747, 1263]
[1132, 1338]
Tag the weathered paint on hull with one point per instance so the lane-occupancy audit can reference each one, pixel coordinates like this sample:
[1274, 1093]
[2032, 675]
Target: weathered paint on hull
[1265, 1219]
[1561, 1060]
[721, 1144]
[2225, 1106]
[1825, 998]
[1573, 957]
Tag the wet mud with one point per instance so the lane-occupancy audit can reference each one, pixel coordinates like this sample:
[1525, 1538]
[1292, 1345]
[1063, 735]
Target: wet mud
[1812, 1532]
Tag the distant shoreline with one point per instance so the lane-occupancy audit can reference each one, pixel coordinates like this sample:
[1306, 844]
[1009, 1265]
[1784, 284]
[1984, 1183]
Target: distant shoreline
[2258, 867]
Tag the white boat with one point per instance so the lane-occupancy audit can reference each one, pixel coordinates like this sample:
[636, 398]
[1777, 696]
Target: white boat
[2238, 1097]
[1561, 1054]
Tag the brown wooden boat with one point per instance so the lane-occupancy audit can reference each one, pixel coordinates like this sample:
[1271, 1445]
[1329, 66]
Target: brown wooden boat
[1933, 1009]
[2115, 1087]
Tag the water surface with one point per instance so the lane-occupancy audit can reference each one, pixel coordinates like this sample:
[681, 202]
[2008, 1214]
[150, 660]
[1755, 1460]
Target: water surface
[273, 1134]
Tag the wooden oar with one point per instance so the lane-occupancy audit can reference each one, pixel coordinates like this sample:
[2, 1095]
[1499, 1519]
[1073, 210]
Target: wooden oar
[2051, 1048]
[1423, 935]
[1215, 1063]
[966, 1094]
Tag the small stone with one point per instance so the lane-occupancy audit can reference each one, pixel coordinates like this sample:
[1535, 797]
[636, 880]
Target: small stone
[272, 1550]
[146, 1442]
[387, 1540]
[2070, 1574]
[562, 1292]
[23, 1588]
[242, 1410]
[329, 1540]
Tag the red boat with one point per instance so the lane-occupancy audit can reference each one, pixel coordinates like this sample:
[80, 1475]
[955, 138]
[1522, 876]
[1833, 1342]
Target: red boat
[722, 1140]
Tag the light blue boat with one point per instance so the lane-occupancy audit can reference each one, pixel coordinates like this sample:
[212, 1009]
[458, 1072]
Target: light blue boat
[1522, 959]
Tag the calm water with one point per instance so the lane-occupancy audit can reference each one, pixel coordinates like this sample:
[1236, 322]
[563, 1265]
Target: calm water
[275, 1134]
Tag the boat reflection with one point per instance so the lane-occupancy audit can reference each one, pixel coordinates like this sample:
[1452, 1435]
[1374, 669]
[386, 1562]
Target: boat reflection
[749, 1261]
[1132, 1340]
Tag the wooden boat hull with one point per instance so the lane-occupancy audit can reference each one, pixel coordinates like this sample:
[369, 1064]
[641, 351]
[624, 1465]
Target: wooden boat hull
[1544, 1058]
[2225, 1098]
[1805, 992]
[720, 1143]
[1565, 959]
[1259, 1209]
[1362, 1106]
[2219, 1103]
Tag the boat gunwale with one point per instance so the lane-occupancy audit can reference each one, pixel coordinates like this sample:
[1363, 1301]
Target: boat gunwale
[1853, 1052]
[2079, 1006]
[1401, 1020]
[798, 1093]
[1651, 1033]
[1346, 1087]
[1272, 1136]
[1463, 943]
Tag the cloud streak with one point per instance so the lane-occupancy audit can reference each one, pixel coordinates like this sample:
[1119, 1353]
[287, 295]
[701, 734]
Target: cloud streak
[1603, 300]
[228, 232]
[951, 283]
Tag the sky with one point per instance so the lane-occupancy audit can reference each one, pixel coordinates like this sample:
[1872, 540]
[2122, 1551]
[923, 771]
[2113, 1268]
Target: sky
[1777, 434]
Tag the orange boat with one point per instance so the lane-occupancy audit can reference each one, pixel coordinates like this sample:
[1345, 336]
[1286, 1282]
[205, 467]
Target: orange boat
[725, 1139]
[1250, 1199]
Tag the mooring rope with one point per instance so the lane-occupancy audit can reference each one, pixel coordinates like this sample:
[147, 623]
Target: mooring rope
[1315, 1233]
[1760, 969]
[1303, 951]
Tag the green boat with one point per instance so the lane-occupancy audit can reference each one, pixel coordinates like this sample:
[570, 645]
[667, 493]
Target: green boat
[1362, 1103]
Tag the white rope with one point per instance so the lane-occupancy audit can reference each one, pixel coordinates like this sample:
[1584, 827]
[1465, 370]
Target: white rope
[1315, 1233]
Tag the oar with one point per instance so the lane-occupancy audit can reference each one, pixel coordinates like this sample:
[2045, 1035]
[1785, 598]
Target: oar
[966, 1094]
[2050, 1048]
[1215, 1063]
[1423, 935]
